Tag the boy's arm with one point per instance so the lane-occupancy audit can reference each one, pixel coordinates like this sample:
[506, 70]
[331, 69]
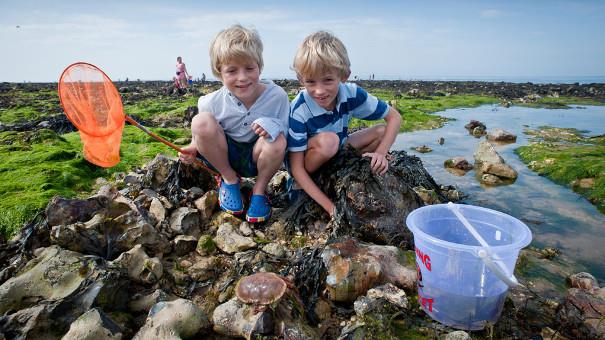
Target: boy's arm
[297, 166]
[379, 161]
[393, 119]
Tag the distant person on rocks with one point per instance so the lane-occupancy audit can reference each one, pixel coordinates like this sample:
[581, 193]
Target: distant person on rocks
[241, 128]
[203, 78]
[320, 115]
[181, 73]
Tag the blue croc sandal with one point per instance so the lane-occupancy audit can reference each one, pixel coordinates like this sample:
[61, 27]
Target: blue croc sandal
[230, 198]
[259, 210]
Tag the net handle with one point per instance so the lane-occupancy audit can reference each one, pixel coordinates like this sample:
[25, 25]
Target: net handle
[197, 161]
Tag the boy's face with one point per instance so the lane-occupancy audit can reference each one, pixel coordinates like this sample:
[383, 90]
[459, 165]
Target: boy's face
[242, 79]
[324, 89]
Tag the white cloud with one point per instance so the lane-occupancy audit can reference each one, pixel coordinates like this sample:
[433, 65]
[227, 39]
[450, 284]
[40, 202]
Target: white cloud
[490, 13]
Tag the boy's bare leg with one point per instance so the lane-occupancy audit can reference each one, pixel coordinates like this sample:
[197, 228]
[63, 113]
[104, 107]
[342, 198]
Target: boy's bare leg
[268, 157]
[210, 141]
[367, 140]
[320, 149]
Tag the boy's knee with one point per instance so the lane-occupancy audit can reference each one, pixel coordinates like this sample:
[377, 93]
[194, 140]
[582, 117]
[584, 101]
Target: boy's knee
[326, 143]
[381, 129]
[277, 147]
[203, 124]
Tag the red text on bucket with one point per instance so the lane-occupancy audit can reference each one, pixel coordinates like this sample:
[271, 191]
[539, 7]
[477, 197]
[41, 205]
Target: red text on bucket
[424, 258]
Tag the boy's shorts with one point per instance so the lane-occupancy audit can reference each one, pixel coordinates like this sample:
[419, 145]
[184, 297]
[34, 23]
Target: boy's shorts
[240, 157]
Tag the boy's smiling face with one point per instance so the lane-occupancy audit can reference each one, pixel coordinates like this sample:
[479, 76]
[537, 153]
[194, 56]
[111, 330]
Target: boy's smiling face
[324, 89]
[241, 77]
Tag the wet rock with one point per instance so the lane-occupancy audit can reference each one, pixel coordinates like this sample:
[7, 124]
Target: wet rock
[474, 124]
[584, 281]
[490, 179]
[54, 290]
[422, 149]
[375, 299]
[141, 268]
[173, 320]
[441, 140]
[93, 325]
[184, 244]
[492, 168]
[354, 267]
[207, 204]
[205, 245]
[186, 221]
[458, 163]
[278, 181]
[486, 153]
[143, 303]
[110, 237]
[457, 335]
[245, 229]
[499, 135]
[204, 268]
[582, 314]
[427, 196]
[478, 131]
[157, 171]
[369, 206]
[230, 242]
[157, 210]
[275, 249]
[67, 211]
[45, 279]
[234, 318]
[501, 170]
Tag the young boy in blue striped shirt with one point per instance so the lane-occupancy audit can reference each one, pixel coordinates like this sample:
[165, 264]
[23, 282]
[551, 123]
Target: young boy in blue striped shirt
[320, 115]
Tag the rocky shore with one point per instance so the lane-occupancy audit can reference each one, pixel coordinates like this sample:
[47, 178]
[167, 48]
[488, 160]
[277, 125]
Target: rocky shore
[151, 256]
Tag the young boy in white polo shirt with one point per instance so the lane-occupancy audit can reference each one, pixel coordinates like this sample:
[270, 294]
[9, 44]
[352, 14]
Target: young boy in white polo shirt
[240, 128]
[320, 115]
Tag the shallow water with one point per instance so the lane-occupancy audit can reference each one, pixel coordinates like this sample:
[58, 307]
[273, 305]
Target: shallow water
[556, 215]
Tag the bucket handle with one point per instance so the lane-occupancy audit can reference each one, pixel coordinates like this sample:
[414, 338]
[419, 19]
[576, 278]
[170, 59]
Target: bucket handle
[485, 253]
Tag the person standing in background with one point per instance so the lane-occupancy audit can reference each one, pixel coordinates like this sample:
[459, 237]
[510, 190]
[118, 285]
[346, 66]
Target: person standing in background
[181, 73]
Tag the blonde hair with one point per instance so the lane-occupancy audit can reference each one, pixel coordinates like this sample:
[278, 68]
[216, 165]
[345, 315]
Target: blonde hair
[235, 43]
[319, 53]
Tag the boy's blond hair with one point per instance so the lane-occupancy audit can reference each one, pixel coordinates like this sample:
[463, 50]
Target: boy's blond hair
[319, 53]
[235, 43]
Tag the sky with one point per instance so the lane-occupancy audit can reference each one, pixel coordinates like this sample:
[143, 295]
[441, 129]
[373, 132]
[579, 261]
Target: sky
[390, 39]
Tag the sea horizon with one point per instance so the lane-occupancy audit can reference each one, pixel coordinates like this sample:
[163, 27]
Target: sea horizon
[378, 77]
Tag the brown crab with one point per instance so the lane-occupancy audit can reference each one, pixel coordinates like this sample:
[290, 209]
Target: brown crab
[264, 289]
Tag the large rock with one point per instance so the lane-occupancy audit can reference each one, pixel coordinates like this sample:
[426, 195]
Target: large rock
[237, 319]
[354, 267]
[487, 154]
[93, 325]
[502, 136]
[173, 320]
[229, 241]
[56, 288]
[372, 208]
[108, 238]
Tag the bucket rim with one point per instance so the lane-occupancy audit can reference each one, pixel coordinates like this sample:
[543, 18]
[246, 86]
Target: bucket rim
[519, 244]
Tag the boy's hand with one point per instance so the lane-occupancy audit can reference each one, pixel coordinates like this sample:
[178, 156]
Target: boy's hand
[379, 163]
[188, 155]
[260, 131]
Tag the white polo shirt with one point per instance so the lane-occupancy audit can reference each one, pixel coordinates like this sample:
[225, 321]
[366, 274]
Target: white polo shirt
[270, 110]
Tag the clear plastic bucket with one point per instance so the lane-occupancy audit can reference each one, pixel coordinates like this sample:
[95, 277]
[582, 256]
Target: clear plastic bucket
[465, 257]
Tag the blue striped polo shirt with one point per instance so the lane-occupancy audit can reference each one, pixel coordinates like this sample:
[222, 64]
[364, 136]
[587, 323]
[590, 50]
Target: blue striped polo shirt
[307, 118]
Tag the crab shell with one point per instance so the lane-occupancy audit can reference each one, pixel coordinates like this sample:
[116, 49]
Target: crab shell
[261, 288]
